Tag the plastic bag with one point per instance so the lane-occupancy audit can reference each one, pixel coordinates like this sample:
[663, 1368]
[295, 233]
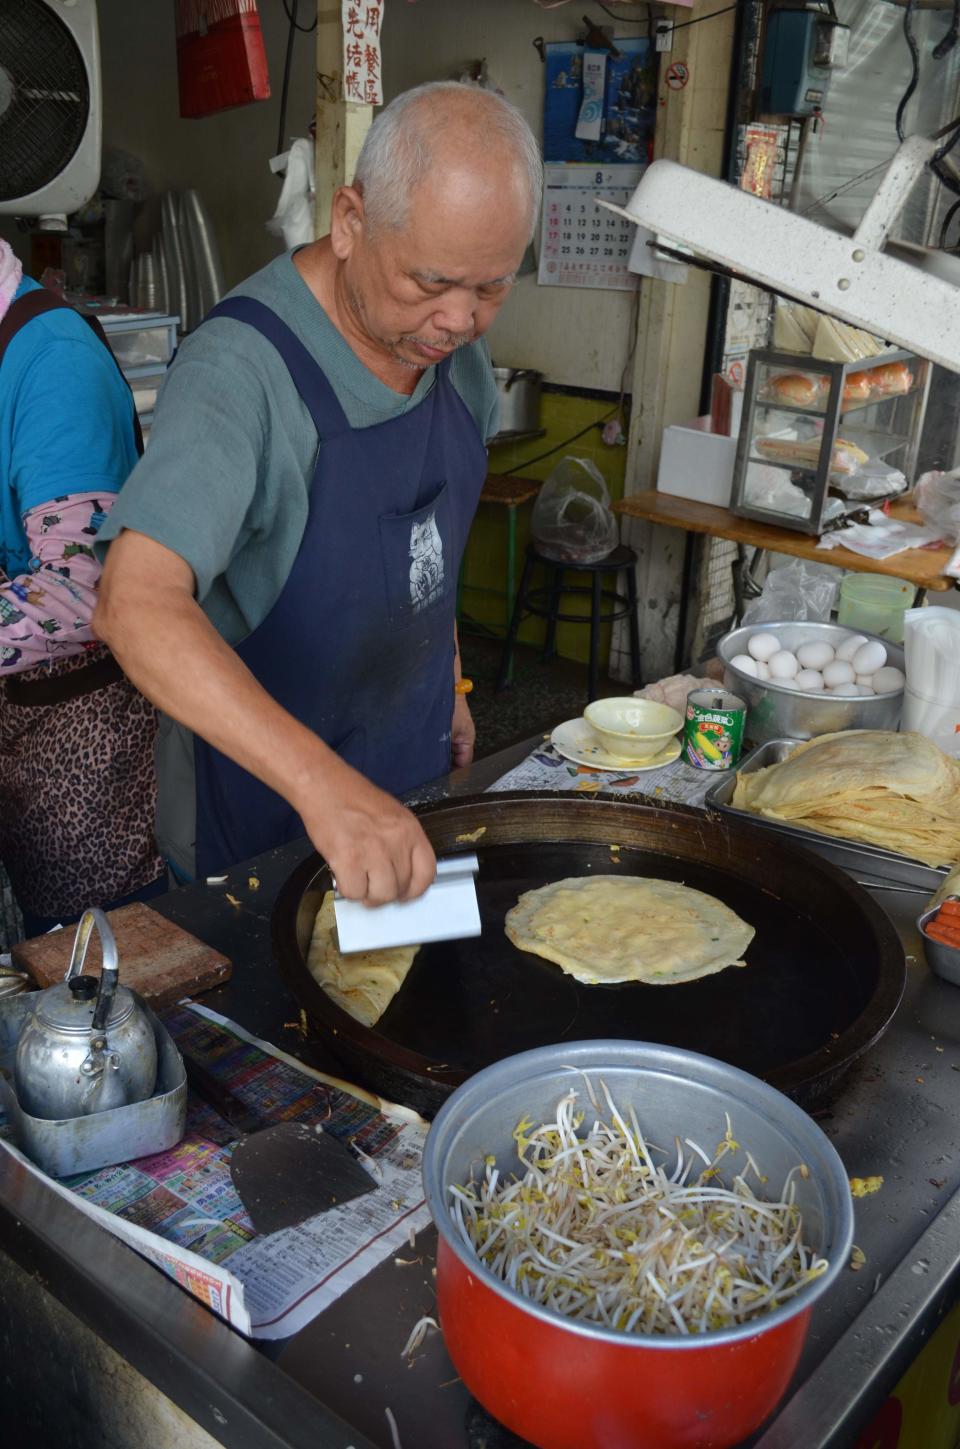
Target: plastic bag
[571, 519]
[800, 590]
[293, 218]
[937, 495]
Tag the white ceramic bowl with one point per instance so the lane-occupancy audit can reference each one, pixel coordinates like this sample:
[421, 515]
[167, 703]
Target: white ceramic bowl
[633, 729]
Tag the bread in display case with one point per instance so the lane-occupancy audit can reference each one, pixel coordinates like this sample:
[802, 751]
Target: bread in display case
[821, 439]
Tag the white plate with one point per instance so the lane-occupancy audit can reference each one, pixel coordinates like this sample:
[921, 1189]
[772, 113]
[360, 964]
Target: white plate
[576, 742]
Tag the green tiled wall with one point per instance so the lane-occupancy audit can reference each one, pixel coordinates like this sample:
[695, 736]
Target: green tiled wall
[486, 558]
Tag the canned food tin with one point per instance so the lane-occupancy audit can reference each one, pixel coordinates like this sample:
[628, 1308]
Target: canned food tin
[713, 729]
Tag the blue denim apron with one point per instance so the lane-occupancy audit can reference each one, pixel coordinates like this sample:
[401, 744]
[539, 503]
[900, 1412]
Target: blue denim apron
[359, 644]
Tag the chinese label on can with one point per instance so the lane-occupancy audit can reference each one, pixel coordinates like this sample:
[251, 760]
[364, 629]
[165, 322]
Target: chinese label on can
[713, 729]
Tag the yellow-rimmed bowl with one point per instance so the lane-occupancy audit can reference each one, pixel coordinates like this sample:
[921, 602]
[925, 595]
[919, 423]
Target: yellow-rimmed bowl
[633, 729]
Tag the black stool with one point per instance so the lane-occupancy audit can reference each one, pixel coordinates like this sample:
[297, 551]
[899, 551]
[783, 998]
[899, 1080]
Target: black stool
[530, 601]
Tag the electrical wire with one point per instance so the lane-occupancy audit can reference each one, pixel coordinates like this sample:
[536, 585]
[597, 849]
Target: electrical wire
[701, 18]
[950, 39]
[528, 462]
[914, 49]
[285, 87]
[304, 29]
[945, 226]
[626, 18]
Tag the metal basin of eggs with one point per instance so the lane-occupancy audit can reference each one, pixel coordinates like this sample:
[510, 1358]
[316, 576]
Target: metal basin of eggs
[800, 680]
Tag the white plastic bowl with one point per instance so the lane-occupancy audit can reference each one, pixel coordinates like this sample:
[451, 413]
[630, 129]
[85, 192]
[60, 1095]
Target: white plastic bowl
[633, 729]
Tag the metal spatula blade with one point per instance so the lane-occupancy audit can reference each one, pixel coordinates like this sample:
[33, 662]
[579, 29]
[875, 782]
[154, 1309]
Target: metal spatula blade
[447, 911]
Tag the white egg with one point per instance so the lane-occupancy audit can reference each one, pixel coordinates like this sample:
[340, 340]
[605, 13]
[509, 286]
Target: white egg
[888, 679]
[866, 679]
[838, 671]
[846, 689]
[783, 665]
[870, 657]
[848, 647]
[809, 679]
[865, 689]
[763, 646]
[763, 669]
[815, 655]
[745, 664]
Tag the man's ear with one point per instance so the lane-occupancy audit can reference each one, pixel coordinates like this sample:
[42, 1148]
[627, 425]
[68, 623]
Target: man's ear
[346, 220]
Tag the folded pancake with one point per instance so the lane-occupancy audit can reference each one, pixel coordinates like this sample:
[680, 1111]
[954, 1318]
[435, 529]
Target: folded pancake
[365, 982]
[897, 791]
[609, 928]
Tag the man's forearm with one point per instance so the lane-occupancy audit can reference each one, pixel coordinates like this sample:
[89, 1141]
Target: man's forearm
[177, 659]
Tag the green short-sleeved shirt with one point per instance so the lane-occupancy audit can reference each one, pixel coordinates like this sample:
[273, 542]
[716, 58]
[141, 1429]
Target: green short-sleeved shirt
[225, 480]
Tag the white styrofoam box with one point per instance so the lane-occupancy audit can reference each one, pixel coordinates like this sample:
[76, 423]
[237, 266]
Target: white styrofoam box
[696, 463]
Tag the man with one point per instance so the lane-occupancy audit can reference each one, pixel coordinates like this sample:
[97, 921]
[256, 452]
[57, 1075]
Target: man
[283, 577]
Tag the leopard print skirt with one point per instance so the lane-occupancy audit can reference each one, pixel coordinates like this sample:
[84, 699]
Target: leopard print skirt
[77, 793]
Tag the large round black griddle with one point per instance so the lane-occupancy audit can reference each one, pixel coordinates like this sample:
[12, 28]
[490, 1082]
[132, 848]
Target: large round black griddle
[825, 971]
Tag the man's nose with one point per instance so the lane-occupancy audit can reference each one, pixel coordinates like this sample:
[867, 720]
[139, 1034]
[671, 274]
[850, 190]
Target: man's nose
[456, 312]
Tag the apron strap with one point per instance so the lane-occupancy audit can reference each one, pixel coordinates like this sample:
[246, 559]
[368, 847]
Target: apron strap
[315, 391]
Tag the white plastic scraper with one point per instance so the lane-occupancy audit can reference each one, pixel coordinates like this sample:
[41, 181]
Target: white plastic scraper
[447, 911]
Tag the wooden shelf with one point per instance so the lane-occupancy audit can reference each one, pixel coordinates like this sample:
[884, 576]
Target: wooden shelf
[921, 567]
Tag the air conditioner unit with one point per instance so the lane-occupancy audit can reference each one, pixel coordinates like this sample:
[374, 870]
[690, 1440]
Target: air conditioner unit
[50, 106]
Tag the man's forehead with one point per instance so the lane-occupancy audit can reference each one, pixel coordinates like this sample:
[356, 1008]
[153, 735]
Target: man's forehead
[432, 278]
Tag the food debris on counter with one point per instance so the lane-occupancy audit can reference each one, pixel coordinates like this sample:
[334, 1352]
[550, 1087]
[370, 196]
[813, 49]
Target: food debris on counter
[857, 1259]
[417, 1334]
[394, 1431]
[864, 1186]
[233, 901]
[470, 837]
[253, 883]
[216, 880]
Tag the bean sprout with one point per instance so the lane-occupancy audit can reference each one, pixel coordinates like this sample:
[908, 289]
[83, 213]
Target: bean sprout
[597, 1230]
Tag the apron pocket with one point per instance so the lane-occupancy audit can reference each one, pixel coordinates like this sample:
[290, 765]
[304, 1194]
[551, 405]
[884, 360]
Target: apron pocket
[417, 559]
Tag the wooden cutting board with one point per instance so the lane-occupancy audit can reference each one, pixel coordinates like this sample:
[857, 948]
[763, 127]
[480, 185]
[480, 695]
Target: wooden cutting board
[160, 960]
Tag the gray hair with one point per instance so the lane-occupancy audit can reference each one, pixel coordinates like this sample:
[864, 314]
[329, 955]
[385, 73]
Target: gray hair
[398, 149]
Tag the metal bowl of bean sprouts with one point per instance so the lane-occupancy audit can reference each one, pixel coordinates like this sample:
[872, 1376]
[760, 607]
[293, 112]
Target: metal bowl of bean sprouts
[631, 1241]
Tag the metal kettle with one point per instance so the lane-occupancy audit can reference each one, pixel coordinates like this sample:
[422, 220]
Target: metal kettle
[89, 1045]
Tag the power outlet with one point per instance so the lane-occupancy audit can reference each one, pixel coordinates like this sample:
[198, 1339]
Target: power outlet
[664, 35]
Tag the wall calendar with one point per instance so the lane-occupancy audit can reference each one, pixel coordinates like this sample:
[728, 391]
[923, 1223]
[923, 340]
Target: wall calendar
[581, 243]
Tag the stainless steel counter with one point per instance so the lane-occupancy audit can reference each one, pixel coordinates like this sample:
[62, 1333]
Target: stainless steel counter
[897, 1114]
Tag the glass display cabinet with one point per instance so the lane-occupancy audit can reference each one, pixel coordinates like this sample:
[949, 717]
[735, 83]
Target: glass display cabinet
[821, 439]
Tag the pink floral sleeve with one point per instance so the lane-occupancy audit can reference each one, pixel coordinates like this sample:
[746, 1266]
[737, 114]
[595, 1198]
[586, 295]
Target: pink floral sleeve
[45, 614]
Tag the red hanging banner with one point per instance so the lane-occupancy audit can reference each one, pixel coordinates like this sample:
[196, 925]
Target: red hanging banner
[221, 61]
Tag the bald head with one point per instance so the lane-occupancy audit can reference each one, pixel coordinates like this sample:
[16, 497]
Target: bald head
[469, 144]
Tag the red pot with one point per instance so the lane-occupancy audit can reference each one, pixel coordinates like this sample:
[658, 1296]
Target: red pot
[563, 1390]
[567, 1384]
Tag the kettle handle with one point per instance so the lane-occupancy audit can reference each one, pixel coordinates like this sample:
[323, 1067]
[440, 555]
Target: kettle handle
[110, 971]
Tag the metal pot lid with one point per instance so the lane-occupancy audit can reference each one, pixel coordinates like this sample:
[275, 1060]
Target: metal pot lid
[69, 1007]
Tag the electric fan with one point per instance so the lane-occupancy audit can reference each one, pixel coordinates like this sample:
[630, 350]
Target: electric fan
[49, 106]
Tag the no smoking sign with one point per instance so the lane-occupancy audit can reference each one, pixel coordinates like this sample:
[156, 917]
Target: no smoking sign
[677, 75]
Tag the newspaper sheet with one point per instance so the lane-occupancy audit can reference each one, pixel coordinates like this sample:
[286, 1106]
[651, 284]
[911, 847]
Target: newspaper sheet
[545, 769]
[181, 1210]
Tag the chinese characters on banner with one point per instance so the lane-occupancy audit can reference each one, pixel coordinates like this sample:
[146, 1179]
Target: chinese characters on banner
[362, 81]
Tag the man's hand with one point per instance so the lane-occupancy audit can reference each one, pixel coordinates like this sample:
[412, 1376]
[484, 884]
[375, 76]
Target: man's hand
[375, 847]
[463, 733]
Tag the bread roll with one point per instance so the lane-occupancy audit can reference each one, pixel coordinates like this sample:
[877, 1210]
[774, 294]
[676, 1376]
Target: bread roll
[795, 388]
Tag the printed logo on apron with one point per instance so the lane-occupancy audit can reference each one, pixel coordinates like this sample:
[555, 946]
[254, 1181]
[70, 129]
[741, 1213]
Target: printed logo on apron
[426, 564]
